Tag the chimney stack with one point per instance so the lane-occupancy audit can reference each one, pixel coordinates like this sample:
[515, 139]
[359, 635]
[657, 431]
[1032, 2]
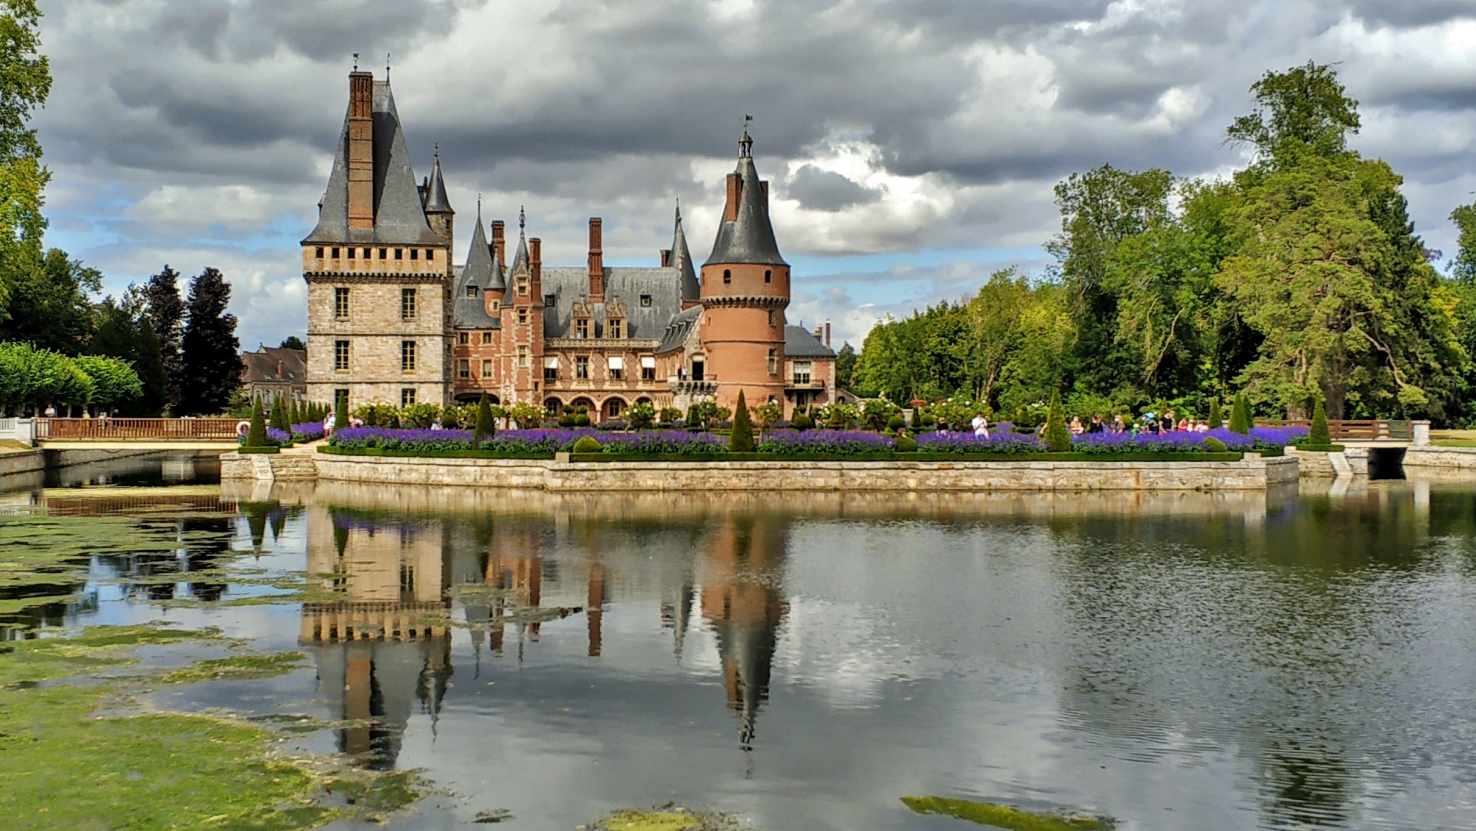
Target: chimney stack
[596, 260]
[735, 192]
[499, 243]
[535, 258]
[666, 258]
[361, 150]
[827, 334]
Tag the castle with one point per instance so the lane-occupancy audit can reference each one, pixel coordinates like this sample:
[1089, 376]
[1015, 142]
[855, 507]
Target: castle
[392, 319]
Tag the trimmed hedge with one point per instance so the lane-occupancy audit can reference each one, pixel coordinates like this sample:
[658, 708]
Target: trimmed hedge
[1319, 448]
[913, 456]
[434, 454]
[270, 448]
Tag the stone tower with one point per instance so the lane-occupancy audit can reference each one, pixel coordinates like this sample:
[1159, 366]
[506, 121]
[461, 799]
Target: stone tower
[744, 291]
[522, 321]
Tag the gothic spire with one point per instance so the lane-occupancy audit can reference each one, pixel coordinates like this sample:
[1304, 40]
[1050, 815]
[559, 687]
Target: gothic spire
[435, 191]
[746, 235]
[681, 259]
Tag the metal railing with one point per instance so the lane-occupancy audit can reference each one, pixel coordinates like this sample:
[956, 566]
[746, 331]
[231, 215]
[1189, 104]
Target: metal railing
[133, 429]
[1341, 429]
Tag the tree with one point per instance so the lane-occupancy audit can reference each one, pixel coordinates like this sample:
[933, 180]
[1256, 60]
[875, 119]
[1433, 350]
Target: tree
[1216, 420]
[25, 82]
[1240, 415]
[166, 311]
[1302, 110]
[485, 428]
[845, 365]
[122, 331]
[50, 306]
[257, 435]
[1057, 437]
[114, 383]
[340, 413]
[1319, 434]
[293, 342]
[210, 359]
[279, 420]
[740, 439]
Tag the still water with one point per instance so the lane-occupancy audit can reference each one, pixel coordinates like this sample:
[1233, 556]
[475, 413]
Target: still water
[1238, 661]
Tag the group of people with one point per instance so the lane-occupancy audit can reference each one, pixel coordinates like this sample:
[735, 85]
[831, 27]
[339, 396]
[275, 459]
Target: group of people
[1150, 423]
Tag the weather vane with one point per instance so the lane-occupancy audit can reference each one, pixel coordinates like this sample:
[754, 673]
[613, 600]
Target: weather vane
[522, 218]
[747, 120]
[386, 65]
[356, 61]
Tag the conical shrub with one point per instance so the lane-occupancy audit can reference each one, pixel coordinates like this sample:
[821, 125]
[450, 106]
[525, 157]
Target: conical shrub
[1320, 434]
[1057, 437]
[485, 428]
[740, 439]
[257, 435]
[1240, 415]
[278, 419]
[340, 413]
[1216, 420]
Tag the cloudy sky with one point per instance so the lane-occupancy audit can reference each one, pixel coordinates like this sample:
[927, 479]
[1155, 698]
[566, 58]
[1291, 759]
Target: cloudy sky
[912, 144]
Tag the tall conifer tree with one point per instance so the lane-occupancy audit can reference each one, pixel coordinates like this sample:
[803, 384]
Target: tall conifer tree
[210, 353]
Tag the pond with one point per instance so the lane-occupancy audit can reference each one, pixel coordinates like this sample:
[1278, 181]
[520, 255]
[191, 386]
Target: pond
[1214, 661]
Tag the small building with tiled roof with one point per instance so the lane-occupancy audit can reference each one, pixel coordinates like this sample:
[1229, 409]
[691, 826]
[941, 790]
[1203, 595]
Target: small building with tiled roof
[271, 372]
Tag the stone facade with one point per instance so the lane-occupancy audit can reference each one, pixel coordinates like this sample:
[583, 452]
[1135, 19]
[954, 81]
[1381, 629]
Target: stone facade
[595, 336]
[1251, 473]
[1448, 458]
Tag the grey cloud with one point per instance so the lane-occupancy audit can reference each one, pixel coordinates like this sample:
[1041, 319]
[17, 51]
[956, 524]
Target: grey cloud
[826, 190]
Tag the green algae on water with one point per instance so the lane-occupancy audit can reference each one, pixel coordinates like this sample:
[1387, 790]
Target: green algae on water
[236, 667]
[1003, 816]
[666, 818]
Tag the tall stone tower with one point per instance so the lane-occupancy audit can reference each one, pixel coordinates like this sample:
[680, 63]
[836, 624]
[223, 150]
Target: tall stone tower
[745, 290]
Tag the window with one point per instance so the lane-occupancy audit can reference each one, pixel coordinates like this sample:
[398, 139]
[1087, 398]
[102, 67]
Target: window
[522, 357]
[581, 367]
[648, 368]
[320, 252]
[773, 362]
[415, 253]
[340, 303]
[486, 338]
[340, 356]
[335, 253]
[522, 288]
[471, 291]
[430, 255]
[801, 372]
[646, 300]
[614, 407]
[463, 369]
[407, 397]
[340, 397]
[768, 276]
[399, 253]
[581, 328]
[382, 253]
[550, 300]
[463, 338]
[407, 304]
[616, 327]
[773, 318]
[352, 252]
[617, 369]
[550, 369]
[496, 305]
[727, 276]
[523, 317]
[407, 355]
[486, 367]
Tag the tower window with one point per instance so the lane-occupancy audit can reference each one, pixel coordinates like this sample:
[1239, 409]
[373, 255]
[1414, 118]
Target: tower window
[340, 303]
[335, 253]
[496, 305]
[320, 252]
[463, 369]
[486, 338]
[407, 356]
[486, 367]
[352, 251]
[463, 338]
[471, 291]
[773, 362]
[382, 253]
[399, 253]
[768, 276]
[430, 254]
[340, 356]
[523, 316]
[414, 253]
[773, 318]
[407, 304]
[727, 276]
[522, 357]
[646, 300]
[407, 397]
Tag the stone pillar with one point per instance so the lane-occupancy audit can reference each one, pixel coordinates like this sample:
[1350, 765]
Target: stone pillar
[1420, 434]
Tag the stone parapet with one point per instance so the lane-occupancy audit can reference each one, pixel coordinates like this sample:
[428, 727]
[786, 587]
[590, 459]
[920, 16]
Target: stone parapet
[1251, 473]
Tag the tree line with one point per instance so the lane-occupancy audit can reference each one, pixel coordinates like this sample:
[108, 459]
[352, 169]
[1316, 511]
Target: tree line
[147, 352]
[1298, 279]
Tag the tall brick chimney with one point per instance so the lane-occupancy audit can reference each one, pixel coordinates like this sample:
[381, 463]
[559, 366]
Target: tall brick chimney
[827, 334]
[499, 243]
[735, 191]
[535, 259]
[361, 150]
[596, 260]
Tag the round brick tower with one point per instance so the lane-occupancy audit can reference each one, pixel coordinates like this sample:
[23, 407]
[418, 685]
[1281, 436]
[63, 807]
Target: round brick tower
[745, 289]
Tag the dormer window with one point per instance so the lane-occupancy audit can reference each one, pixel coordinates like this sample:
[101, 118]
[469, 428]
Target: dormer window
[615, 328]
[581, 328]
[471, 291]
[550, 300]
[646, 300]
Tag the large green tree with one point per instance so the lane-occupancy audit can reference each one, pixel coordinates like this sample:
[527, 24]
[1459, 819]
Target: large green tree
[210, 351]
[123, 331]
[25, 81]
[50, 305]
[166, 310]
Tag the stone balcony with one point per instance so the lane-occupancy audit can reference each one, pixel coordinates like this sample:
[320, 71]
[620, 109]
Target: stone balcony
[686, 386]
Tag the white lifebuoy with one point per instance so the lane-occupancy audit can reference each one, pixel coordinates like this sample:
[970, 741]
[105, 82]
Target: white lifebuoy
[242, 428]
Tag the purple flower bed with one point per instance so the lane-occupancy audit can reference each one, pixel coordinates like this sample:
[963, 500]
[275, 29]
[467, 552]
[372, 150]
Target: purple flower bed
[1177, 442]
[274, 436]
[835, 442]
[309, 431]
[505, 441]
[999, 441]
[1278, 436]
[678, 442]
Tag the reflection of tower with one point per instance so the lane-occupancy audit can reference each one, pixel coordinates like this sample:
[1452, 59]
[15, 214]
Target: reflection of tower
[743, 600]
[515, 567]
[376, 651]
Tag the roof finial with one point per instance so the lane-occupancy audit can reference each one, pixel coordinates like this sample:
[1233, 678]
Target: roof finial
[745, 144]
[522, 219]
[438, 149]
[356, 61]
[386, 65]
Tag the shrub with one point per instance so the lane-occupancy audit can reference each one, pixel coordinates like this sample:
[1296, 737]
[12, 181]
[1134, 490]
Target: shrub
[1214, 445]
[768, 414]
[876, 413]
[1057, 437]
[485, 428]
[669, 415]
[1240, 415]
[802, 419]
[375, 414]
[1216, 421]
[905, 443]
[640, 414]
[581, 416]
[419, 416]
[895, 423]
[694, 418]
[279, 420]
[1319, 433]
[256, 436]
[340, 414]
[525, 414]
[740, 439]
[587, 444]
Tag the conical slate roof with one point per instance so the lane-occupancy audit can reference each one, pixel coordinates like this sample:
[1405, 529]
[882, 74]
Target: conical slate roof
[478, 273]
[681, 259]
[521, 256]
[749, 237]
[436, 201]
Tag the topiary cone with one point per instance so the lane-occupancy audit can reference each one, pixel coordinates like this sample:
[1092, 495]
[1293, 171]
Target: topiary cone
[340, 413]
[740, 439]
[1240, 415]
[485, 427]
[1216, 421]
[1057, 437]
[257, 435]
[1319, 434]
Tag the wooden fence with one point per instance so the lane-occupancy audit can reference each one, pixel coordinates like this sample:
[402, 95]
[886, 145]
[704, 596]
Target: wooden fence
[1353, 429]
[135, 429]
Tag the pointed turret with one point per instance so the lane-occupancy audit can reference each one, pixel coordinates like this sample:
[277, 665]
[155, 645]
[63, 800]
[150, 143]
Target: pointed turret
[520, 258]
[681, 260]
[477, 277]
[438, 212]
[745, 235]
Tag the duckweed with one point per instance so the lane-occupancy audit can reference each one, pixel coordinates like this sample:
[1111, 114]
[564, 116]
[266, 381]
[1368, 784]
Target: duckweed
[1003, 816]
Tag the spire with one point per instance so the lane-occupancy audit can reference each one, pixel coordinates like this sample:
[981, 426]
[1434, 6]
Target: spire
[746, 235]
[521, 257]
[681, 259]
[435, 191]
[481, 273]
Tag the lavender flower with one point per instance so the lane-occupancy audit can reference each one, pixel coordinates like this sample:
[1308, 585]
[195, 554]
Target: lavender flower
[665, 441]
[998, 441]
[837, 442]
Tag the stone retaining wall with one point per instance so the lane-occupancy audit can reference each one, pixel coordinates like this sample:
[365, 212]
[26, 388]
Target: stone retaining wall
[23, 461]
[1450, 458]
[1251, 473]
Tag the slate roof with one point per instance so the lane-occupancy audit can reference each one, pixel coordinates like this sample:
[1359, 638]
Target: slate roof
[675, 335]
[399, 216]
[681, 260]
[479, 272]
[749, 238]
[436, 200]
[568, 285]
[261, 366]
[800, 342]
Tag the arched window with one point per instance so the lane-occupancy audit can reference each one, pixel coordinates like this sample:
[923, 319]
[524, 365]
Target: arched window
[768, 276]
[727, 276]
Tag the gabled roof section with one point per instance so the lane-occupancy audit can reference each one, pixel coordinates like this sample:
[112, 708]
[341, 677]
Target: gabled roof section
[681, 260]
[749, 237]
[478, 273]
[680, 324]
[399, 216]
[436, 201]
[800, 342]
